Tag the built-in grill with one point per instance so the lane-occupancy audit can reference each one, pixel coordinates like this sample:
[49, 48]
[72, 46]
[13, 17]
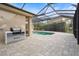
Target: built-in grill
[15, 34]
[16, 30]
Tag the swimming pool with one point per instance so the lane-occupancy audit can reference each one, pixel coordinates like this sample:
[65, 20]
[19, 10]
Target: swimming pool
[43, 33]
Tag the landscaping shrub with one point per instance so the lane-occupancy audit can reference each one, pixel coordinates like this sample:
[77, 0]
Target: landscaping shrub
[56, 27]
[61, 27]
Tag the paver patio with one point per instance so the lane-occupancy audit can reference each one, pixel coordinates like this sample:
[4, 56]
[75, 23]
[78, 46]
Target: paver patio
[58, 44]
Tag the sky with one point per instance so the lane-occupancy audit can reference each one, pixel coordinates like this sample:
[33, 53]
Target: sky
[36, 7]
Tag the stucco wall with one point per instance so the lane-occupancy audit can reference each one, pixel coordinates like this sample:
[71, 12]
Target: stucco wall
[8, 20]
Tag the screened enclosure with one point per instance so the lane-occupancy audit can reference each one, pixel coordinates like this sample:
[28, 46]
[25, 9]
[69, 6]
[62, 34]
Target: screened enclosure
[47, 11]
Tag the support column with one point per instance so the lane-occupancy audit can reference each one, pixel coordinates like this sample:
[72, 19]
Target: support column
[30, 26]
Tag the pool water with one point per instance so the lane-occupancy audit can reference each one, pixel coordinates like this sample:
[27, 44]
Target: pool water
[43, 33]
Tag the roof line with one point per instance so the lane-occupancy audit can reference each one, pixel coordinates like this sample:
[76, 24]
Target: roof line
[17, 8]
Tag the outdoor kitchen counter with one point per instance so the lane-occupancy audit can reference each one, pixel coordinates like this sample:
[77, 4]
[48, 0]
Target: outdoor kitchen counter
[13, 37]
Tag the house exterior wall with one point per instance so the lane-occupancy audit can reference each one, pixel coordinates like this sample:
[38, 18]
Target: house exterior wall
[8, 20]
[57, 20]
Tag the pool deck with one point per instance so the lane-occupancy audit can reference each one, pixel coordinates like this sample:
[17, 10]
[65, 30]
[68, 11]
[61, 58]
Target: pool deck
[58, 44]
